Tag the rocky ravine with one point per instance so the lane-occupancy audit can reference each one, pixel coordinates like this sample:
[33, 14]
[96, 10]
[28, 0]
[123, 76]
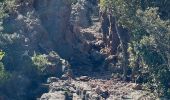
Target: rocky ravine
[39, 20]
[98, 85]
[91, 88]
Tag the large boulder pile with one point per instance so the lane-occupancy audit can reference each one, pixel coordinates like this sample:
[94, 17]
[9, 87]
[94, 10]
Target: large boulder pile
[67, 90]
[95, 89]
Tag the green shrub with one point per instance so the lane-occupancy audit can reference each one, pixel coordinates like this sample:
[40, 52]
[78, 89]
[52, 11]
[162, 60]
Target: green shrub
[149, 50]
[41, 62]
[3, 74]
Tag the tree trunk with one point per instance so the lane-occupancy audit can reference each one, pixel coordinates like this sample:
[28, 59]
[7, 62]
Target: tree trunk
[124, 39]
[105, 26]
[113, 36]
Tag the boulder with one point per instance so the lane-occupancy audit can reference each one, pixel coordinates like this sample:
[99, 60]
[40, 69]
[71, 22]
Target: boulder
[60, 95]
[95, 97]
[84, 78]
[137, 87]
[76, 97]
[52, 79]
[104, 94]
[64, 77]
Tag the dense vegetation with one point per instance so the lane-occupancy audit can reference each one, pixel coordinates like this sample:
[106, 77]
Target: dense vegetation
[148, 58]
[149, 48]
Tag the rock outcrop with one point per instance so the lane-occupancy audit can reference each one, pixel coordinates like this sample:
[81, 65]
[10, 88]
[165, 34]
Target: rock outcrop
[42, 24]
[34, 26]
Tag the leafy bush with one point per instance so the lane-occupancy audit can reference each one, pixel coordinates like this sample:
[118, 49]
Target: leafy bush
[154, 49]
[149, 49]
[3, 74]
[41, 62]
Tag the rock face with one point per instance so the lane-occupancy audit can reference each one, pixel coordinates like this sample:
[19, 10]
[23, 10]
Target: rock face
[81, 13]
[42, 24]
[39, 26]
[55, 16]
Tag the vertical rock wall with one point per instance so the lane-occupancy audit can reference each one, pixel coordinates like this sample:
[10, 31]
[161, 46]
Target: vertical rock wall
[42, 24]
[37, 26]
